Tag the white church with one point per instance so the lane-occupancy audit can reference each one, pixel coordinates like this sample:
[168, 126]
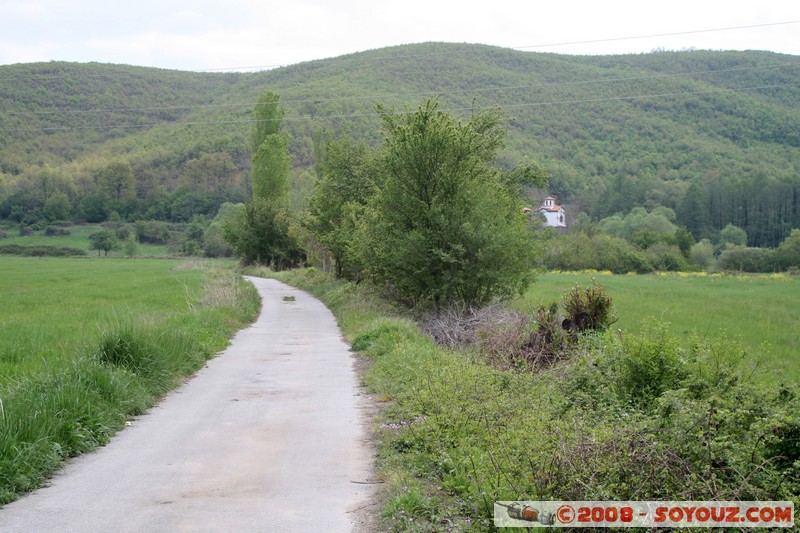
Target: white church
[553, 213]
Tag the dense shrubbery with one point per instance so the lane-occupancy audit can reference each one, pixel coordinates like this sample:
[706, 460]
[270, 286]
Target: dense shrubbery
[626, 249]
[39, 251]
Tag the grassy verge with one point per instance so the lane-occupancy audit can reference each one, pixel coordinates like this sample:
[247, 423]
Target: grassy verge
[88, 343]
[626, 417]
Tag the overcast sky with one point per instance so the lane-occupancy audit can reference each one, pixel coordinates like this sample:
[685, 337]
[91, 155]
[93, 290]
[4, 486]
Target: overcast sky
[231, 34]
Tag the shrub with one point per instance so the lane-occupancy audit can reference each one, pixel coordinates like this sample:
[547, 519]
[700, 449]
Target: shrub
[40, 250]
[152, 232]
[444, 226]
[54, 231]
[589, 309]
[747, 259]
[667, 258]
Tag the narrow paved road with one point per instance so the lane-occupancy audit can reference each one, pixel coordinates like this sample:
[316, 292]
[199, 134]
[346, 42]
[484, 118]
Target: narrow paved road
[269, 437]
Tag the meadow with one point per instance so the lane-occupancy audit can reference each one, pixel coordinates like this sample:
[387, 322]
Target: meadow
[762, 312]
[86, 343]
[79, 238]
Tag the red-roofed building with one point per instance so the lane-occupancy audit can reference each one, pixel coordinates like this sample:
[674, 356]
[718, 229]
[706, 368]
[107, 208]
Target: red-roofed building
[553, 213]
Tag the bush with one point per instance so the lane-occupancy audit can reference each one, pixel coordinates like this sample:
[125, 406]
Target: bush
[507, 338]
[152, 232]
[54, 231]
[596, 252]
[260, 233]
[667, 258]
[40, 250]
[743, 259]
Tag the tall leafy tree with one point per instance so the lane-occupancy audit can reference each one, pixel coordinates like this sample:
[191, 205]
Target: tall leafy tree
[445, 226]
[118, 180]
[270, 151]
[260, 231]
[347, 181]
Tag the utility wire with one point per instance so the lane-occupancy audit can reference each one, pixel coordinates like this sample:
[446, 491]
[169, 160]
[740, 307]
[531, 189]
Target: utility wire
[404, 95]
[672, 34]
[318, 118]
[549, 45]
[345, 57]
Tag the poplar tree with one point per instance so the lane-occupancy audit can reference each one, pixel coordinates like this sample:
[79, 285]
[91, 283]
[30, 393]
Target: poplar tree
[270, 172]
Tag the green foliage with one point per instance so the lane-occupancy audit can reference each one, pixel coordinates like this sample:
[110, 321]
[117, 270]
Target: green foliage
[268, 116]
[214, 244]
[745, 259]
[118, 181]
[211, 173]
[347, 182]
[271, 169]
[788, 253]
[40, 250]
[589, 309]
[105, 241]
[442, 226]
[702, 254]
[153, 232]
[270, 154]
[579, 251]
[131, 247]
[730, 234]
[639, 223]
[259, 233]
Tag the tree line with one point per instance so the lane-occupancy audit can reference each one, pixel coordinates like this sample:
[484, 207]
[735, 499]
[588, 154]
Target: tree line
[426, 214]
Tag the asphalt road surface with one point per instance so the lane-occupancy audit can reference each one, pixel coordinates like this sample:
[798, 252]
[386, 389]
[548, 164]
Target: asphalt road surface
[269, 437]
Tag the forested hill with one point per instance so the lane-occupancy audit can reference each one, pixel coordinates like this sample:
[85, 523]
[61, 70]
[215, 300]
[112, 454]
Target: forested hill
[713, 135]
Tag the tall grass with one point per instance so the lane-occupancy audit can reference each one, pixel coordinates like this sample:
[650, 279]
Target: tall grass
[89, 343]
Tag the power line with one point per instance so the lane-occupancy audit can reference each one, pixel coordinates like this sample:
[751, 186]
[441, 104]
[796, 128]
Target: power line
[454, 109]
[406, 95]
[671, 34]
[528, 47]
[417, 56]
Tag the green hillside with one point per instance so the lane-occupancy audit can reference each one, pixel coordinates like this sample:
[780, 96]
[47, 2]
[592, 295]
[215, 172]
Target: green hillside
[614, 132]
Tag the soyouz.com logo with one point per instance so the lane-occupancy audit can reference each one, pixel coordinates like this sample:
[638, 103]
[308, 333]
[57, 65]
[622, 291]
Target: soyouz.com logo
[643, 514]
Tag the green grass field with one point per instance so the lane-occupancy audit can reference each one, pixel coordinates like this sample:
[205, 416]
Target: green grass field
[79, 238]
[55, 308]
[761, 311]
[87, 342]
